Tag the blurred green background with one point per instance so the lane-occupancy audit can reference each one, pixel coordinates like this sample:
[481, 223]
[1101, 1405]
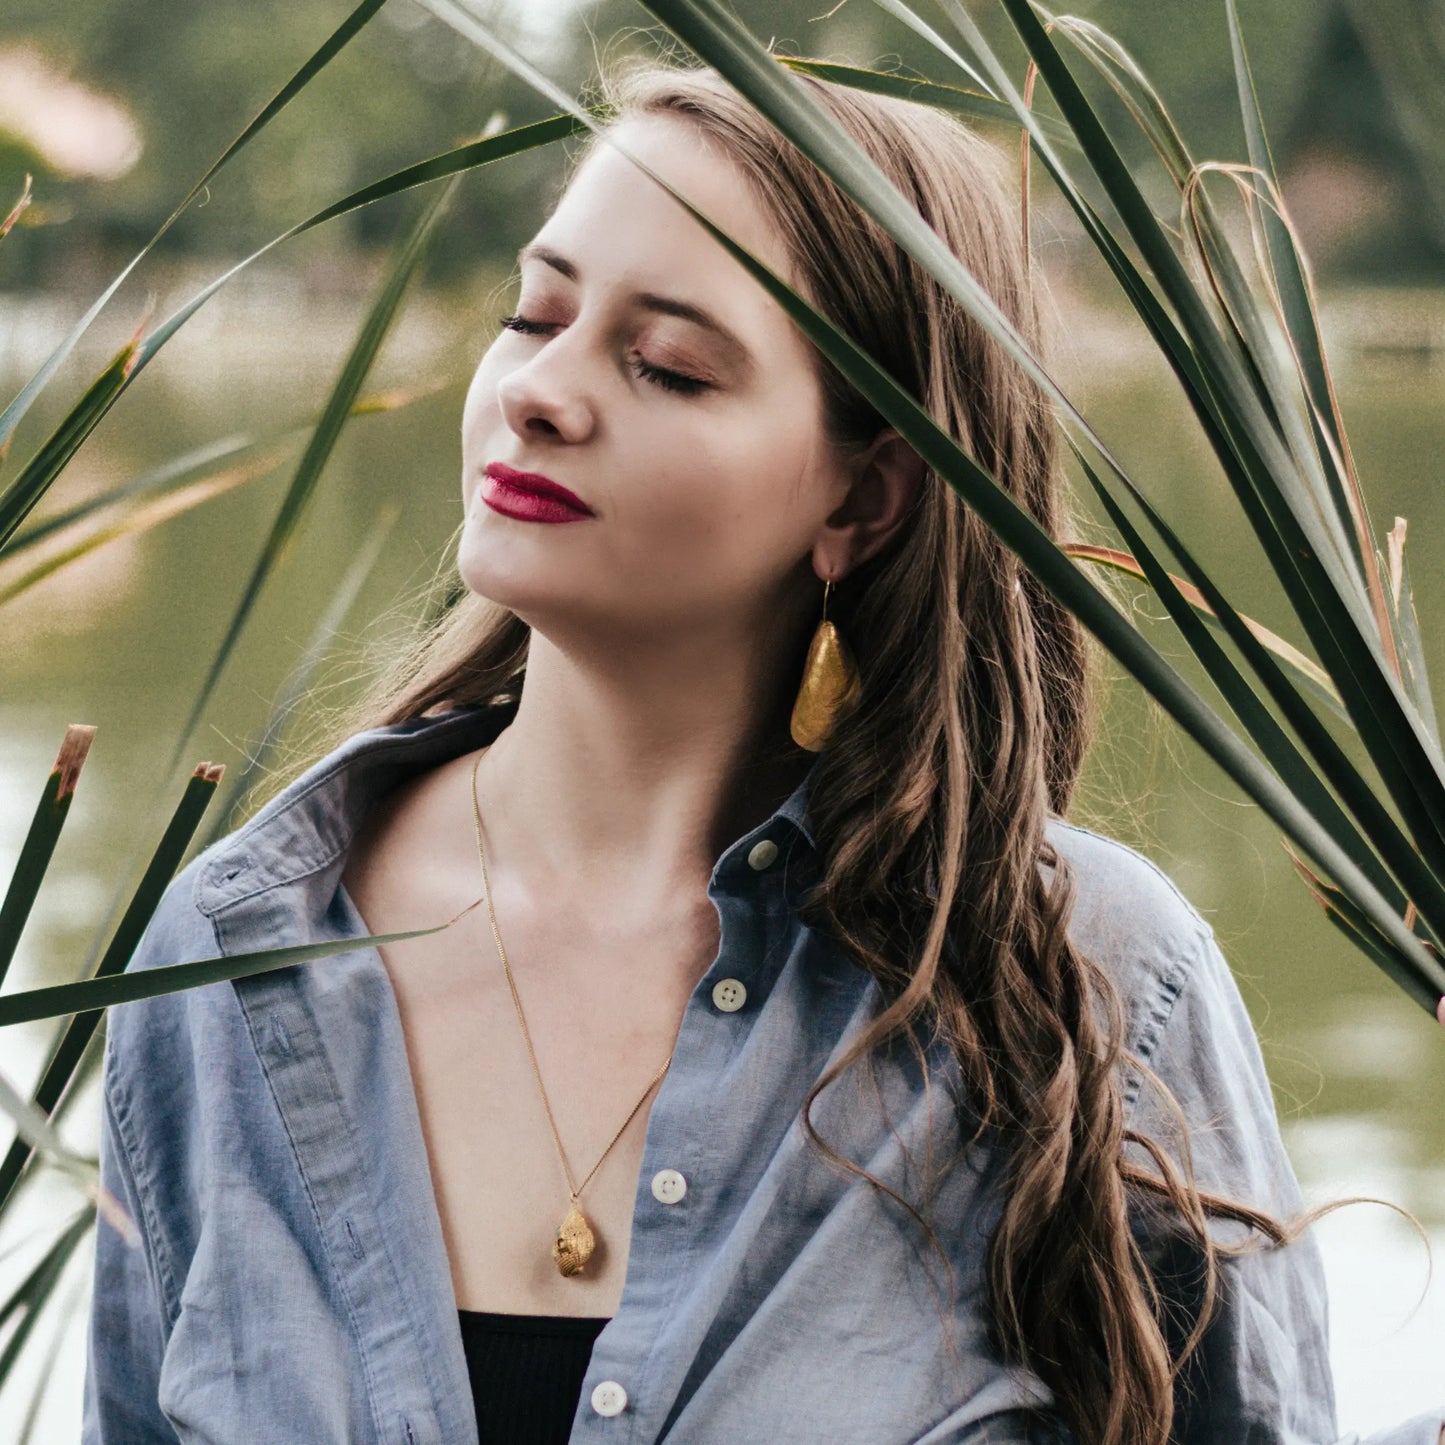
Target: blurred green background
[116, 109]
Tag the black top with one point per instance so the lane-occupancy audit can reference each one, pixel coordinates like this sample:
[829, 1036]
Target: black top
[526, 1373]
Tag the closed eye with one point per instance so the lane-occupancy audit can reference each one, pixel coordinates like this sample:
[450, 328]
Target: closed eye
[670, 380]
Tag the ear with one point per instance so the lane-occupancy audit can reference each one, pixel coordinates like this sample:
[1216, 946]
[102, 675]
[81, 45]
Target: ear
[885, 482]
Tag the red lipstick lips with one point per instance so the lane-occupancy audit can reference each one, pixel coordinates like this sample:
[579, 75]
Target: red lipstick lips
[529, 496]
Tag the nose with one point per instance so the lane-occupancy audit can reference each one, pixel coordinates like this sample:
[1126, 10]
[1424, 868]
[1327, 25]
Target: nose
[548, 395]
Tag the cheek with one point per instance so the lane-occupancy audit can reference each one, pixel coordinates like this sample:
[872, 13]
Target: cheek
[731, 499]
[479, 427]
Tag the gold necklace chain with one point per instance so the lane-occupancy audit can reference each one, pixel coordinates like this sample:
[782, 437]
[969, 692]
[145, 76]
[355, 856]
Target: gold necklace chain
[575, 1237]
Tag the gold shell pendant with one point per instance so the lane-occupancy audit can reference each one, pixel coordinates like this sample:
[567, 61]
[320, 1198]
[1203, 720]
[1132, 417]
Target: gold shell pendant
[575, 1242]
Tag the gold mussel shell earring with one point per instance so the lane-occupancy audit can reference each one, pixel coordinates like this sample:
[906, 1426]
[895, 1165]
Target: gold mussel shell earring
[830, 684]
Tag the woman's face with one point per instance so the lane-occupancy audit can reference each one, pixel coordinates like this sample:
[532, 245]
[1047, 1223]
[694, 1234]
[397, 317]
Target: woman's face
[697, 447]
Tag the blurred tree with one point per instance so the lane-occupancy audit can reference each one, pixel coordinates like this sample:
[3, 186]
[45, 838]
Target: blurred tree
[192, 75]
[1353, 179]
[408, 86]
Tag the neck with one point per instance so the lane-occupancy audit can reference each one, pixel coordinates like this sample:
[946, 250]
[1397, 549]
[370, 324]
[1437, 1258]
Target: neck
[642, 764]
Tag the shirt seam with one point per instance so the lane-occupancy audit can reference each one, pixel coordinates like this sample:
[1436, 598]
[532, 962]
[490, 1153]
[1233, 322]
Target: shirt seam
[1172, 988]
[117, 1104]
[366, 1364]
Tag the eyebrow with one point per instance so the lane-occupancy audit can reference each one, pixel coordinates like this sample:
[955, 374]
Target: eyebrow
[648, 300]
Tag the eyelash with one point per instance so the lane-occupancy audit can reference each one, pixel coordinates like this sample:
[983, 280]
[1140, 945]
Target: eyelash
[668, 380]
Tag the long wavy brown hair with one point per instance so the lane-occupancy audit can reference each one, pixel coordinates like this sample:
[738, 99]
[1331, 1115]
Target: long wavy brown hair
[931, 799]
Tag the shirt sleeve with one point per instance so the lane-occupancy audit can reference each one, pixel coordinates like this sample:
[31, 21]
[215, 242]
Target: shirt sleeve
[125, 1340]
[1261, 1372]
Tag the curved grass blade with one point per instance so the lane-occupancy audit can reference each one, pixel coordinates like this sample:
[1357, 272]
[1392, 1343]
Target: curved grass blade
[724, 43]
[335, 42]
[1276, 387]
[41, 838]
[1334, 613]
[1243, 437]
[1324, 461]
[1289, 271]
[1271, 739]
[1282, 388]
[323, 441]
[1198, 389]
[1303, 671]
[1420, 882]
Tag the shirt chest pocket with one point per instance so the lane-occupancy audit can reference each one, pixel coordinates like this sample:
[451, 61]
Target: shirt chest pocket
[258, 1351]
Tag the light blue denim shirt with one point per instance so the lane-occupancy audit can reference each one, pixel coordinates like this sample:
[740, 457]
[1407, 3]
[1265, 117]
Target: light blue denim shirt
[293, 1285]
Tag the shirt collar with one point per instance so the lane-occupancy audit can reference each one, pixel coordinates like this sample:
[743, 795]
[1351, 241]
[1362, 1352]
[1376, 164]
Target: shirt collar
[304, 831]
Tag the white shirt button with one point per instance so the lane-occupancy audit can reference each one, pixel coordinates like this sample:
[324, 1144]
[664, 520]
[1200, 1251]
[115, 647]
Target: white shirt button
[762, 853]
[609, 1398]
[729, 994]
[668, 1185]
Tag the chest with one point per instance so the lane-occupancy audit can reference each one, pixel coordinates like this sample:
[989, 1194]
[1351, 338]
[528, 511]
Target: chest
[501, 1105]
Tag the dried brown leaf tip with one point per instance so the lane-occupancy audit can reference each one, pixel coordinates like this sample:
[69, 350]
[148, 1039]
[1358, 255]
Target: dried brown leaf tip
[135, 348]
[71, 758]
[19, 208]
[209, 772]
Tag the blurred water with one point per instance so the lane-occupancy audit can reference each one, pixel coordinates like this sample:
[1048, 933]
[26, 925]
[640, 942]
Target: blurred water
[123, 640]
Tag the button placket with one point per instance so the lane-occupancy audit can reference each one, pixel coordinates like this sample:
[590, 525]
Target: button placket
[746, 903]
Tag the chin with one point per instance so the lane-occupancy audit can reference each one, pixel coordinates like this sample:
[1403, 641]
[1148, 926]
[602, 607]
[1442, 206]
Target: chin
[520, 590]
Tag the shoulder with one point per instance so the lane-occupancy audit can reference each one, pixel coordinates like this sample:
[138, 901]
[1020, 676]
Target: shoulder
[1134, 922]
[1188, 1026]
[274, 866]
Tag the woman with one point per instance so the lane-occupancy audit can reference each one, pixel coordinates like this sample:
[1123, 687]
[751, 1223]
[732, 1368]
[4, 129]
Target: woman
[550, 1173]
